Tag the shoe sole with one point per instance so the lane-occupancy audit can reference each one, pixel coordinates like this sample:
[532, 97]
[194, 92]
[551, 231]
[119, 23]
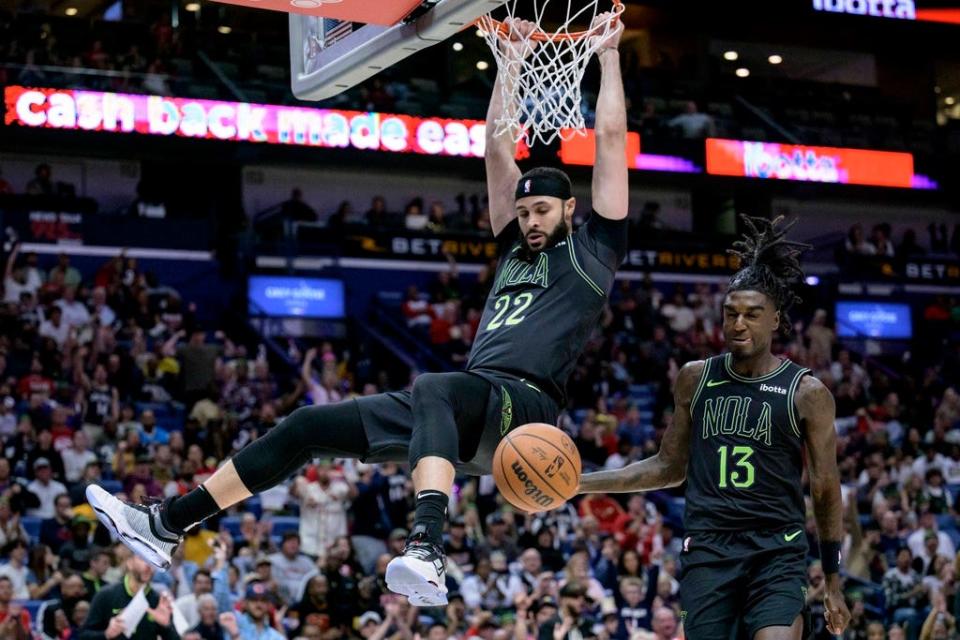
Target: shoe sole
[404, 579]
[109, 511]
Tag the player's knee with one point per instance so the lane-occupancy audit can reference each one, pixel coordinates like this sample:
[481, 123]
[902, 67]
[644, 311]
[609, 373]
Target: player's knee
[429, 385]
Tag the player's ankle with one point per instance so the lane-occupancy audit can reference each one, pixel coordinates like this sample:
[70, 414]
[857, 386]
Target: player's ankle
[431, 512]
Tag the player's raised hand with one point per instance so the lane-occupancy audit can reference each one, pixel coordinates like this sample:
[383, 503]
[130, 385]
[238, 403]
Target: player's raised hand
[835, 612]
[518, 44]
[608, 37]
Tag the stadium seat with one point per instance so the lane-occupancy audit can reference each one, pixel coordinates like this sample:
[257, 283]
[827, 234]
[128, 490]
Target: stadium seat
[231, 524]
[33, 607]
[254, 506]
[32, 526]
[112, 486]
[281, 524]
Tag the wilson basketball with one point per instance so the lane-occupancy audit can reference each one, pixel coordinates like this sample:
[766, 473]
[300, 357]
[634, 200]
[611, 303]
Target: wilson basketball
[536, 467]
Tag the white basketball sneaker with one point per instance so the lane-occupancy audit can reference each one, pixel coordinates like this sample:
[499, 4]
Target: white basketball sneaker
[139, 527]
[421, 572]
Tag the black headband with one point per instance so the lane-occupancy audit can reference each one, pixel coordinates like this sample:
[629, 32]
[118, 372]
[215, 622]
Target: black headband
[543, 185]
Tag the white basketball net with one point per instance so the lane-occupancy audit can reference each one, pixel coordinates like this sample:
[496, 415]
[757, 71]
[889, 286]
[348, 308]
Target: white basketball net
[541, 89]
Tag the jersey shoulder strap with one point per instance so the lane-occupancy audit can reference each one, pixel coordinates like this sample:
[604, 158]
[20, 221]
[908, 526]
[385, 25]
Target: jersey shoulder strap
[792, 377]
[704, 379]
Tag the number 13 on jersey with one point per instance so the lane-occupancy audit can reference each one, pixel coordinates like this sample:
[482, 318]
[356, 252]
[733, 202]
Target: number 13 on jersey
[742, 476]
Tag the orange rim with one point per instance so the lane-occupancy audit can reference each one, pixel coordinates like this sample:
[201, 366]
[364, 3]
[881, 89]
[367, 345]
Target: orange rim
[490, 24]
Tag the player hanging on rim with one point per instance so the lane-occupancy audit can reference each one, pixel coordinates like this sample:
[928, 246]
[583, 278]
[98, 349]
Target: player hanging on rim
[737, 438]
[550, 290]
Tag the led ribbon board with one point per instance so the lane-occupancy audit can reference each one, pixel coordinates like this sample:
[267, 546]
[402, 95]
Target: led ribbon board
[834, 165]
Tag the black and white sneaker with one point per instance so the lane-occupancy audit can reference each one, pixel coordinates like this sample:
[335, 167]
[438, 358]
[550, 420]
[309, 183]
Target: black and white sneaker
[420, 573]
[139, 527]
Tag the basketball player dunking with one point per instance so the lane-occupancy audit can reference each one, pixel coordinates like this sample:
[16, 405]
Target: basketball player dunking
[741, 422]
[551, 287]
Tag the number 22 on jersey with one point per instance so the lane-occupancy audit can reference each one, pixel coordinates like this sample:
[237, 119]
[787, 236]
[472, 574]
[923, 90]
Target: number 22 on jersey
[504, 304]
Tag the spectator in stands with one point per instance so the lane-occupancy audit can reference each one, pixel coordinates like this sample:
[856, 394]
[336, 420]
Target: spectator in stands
[416, 309]
[55, 531]
[856, 244]
[150, 433]
[692, 124]
[880, 239]
[664, 624]
[436, 219]
[15, 279]
[254, 622]
[189, 605]
[68, 274]
[16, 571]
[46, 489]
[42, 183]
[571, 622]
[14, 619]
[498, 538]
[198, 365]
[821, 339]
[908, 246]
[104, 609]
[11, 528]
[208, 625]
[99, 308]
[904, 590]
[77, 456]
[290, 566]
[296, 209]
[413, 216]
[75, 313]
[678, 314]
[55, 328]
[95, 577]
[377, 215]
[323, 509]
[75, 554]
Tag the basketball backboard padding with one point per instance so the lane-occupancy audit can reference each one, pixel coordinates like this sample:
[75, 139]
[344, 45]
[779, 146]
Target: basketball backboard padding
[376, 12]
[370, 49]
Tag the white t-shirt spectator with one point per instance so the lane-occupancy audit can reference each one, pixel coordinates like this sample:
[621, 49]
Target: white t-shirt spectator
[680, 317]
[323, 514]
[921, 465]
[74, 462]
[12, 290]
[47, 493]
[106, 315]
[19, 578]
[945, 548]
[75, 313]
[59, 334]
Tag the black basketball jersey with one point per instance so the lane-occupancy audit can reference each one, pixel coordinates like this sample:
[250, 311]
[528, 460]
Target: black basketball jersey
[746, 443]
[540, 313]
[99, 405]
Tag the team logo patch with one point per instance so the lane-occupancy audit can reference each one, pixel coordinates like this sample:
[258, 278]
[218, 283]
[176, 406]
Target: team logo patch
[527, 186]
[686, 544]
[506, 411]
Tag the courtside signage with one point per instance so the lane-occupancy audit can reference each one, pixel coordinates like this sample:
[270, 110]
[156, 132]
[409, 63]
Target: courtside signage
[809, 164]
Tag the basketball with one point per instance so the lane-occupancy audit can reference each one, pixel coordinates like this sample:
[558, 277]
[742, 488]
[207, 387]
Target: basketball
[536, 467]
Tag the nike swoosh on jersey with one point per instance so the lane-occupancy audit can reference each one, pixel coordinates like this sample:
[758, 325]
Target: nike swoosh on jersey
[790, 537]
[716, 383]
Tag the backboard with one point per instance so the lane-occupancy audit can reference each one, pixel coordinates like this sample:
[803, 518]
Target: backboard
[329, 55]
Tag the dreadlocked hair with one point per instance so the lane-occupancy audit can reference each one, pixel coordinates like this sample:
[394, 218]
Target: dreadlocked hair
[769, 263]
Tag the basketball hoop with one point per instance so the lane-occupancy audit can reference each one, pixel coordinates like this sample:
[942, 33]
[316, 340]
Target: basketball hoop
[541, 93]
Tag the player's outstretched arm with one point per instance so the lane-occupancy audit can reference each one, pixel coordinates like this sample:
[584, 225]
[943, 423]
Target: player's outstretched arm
[817, 408]
[610, 192]
[669, 467]
[501, 150]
